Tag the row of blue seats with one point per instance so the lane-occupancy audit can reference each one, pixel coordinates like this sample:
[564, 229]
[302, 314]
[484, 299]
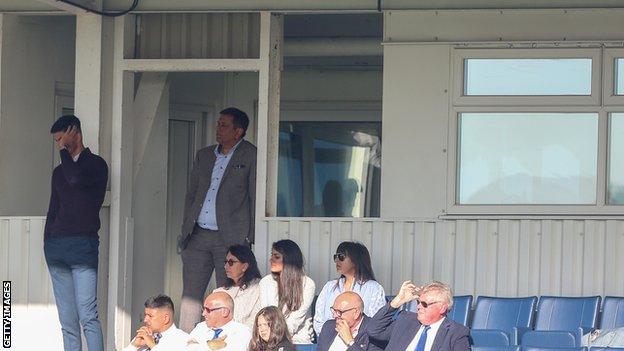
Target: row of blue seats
[549, 321]
[312, 347]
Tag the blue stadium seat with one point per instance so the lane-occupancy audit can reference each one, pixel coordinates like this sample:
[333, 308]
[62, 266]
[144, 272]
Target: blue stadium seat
[554, 348]
[499, 322]
[593, 348]
[497, 348]
[612, 313]
[460, 312]
[306, 347]
[562, 321]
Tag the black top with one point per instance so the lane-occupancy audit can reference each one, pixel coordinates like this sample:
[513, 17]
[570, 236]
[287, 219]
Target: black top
[78, 190]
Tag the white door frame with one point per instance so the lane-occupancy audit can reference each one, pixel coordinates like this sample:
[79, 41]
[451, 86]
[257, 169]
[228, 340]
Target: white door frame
[268, 66]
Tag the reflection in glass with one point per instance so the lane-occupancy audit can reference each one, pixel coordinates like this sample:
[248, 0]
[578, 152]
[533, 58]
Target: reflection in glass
[329, 169]
[527, 158]
[615, 188]
[527, 76]
[619, 76]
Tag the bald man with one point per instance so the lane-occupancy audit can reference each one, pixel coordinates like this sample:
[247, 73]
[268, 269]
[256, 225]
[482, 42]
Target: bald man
[219, 331]
[348, 329]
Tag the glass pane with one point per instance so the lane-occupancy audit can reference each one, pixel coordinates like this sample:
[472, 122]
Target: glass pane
[616, 160]
[619, 76]
[329, 169]
[528, 158]
[527, 76]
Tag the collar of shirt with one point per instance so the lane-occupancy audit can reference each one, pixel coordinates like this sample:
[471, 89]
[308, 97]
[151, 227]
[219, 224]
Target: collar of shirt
[356, 329]
[356, 284]
[172, 328]
[434, 327]
[217, 150]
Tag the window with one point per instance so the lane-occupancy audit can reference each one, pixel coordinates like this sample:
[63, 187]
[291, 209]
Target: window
[329, 169]
[528, 158]
[527, 76]
[616, 160]
[536, 132]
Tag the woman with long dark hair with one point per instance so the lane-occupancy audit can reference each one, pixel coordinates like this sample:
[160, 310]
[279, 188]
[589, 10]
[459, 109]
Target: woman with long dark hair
[288, 288]
[242, 284]
[270, 332]
[353, 263]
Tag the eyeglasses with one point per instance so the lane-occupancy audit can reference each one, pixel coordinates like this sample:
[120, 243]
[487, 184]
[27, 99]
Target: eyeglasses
[340, 256]
[230, 262]
[425, 304]
[339, 313]
[210, 310]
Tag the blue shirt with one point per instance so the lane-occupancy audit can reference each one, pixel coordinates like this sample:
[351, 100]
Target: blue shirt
[208, 216]
[371, 292]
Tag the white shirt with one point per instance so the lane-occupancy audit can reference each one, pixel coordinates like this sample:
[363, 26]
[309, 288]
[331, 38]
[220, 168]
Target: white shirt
[172, 339]
[299, 321]
[431, 334]
[246, 302]
[339, 344]
[237, 336]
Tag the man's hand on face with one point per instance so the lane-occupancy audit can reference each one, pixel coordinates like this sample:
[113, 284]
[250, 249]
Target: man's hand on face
[138, 340]
[146, 334]
[344, 331]
[69, 138]
[408, 292]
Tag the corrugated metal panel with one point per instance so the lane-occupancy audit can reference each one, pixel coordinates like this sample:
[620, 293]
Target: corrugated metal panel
[477, 257]
[198, 35]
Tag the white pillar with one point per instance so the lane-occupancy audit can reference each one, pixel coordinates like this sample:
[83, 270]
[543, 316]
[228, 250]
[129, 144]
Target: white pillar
[88, 77]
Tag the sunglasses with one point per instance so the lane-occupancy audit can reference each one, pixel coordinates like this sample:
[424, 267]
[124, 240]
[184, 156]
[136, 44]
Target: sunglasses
[339, 313]
[210, 310]
[426, 304]
[230, 262]
[340, 256]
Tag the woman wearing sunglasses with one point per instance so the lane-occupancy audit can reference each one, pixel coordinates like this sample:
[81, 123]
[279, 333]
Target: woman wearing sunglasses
[242, 283]
[270, 332]
[353, 263]
[288, 288]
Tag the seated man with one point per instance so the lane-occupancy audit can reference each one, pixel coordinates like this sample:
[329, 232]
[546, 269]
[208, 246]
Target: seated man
[219, 331]
[429, 329]
[158, 332]
[348, 329]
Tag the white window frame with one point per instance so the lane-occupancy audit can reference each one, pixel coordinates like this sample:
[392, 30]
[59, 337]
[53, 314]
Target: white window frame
[608, 86]
[460, 103]
[459, 99]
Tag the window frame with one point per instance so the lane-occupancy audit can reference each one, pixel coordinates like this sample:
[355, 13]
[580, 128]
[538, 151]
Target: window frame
[593, 103]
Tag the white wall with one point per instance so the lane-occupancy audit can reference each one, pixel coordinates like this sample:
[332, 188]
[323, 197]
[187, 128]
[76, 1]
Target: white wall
[37, 51]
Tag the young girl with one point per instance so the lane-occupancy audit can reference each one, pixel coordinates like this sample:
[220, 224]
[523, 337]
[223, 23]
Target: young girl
[270, 332]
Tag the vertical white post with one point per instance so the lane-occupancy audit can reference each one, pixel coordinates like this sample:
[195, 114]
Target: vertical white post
[271, 39]
[88, 77]
[121, 221]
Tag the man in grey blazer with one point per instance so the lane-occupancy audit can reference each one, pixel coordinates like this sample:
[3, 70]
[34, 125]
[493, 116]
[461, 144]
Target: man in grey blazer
[427, 330]
[218, 210]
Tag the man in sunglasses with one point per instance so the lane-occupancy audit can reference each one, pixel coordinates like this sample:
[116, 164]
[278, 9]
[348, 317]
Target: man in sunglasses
[219, 331]
[348, 329]
[426, 330]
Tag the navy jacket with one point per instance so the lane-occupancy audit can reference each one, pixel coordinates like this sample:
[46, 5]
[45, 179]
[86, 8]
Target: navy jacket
[451, 336]
[362, 340]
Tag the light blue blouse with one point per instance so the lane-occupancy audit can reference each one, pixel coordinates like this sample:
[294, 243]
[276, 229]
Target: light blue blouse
[371, 292]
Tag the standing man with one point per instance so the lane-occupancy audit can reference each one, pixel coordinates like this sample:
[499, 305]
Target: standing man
[71, 234]
[427, 330]
[218, 210]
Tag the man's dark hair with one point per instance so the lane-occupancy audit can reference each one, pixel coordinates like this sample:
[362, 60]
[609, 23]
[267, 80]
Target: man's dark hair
[160, 301]
[239, 118]
[64, 122]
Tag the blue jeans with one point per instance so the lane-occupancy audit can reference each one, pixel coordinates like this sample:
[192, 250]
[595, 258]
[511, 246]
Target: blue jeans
[75, 291]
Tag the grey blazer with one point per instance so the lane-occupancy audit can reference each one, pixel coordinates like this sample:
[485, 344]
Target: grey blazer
[236, 198]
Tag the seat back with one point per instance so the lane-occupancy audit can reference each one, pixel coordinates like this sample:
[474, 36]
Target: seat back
[503, 313]
[612, 313]
[306, 347]
[461, 309]
[567, 313]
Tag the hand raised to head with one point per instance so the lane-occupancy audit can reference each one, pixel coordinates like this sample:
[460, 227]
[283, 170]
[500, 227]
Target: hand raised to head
[408, 292]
